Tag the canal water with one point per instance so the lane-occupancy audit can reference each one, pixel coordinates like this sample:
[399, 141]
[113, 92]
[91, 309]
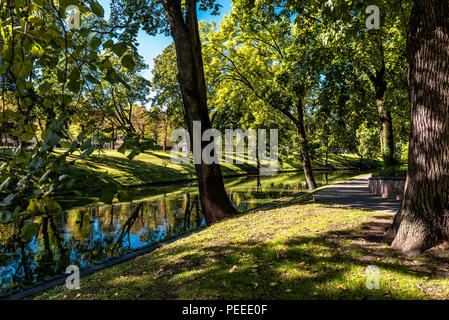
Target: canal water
[86, 235]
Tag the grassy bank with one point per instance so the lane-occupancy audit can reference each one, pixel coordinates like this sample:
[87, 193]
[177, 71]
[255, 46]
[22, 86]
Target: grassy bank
[156, 166]
[150, 167]
[298, 251]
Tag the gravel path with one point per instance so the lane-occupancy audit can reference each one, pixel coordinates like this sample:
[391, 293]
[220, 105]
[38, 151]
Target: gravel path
[355, 194]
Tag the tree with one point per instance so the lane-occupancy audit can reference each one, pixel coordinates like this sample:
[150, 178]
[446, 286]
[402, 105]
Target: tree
[378, 54]
[165, 86]
[214, 200]
[183, 21]
[423, 220]
[45, 68]
[118, 102]
[266, 56]
[166, 104]
[342, 120]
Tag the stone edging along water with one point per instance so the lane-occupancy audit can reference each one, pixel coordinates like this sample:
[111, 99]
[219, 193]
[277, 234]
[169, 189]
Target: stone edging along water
[111, 261]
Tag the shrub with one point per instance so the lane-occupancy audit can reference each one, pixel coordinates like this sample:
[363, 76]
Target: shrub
[391, 171]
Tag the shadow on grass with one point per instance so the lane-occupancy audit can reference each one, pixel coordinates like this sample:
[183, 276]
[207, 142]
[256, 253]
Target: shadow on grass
[146, 172]
[143, 171]
[322, 265]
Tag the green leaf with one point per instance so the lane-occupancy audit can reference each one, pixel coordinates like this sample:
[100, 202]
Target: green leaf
[22, 69]
[44, 176]
[74, 75]
[133, 154]
[5, 216]
[122, 148]
[65, 3]
[26, 136]
[5, 184]
[74, 86]
[68, 98]
[108, 44]
[105, 64]
[88, 152]
[81, 136]
[128, 62]
[124, 196]
[33, 207]
[97, 9]
[7, 200]
[65, 144]
[69, 183]
[95, 43]
[29, 231]
[107, 193]
[47, 103]
[37, 50]
[20, 83]
[4, 67]
[86, 144]
[19, 3]
[11, 115]
[111, 77]
[30, 128]
[51, 206]
[120, 48]
[91, 79]
[35, 162]
[52, 138]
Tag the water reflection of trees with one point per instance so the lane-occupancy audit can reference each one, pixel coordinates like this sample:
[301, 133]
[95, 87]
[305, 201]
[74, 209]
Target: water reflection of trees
[86, 235]
[44, 256]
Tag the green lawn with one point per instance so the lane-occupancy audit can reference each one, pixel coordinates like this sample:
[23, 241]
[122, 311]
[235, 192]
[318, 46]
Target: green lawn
[156, 166]
[297, 251]
[149, 167]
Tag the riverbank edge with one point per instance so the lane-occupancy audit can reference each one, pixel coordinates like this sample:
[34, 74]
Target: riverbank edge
[109, 262]
[255, 172]
[95, 203]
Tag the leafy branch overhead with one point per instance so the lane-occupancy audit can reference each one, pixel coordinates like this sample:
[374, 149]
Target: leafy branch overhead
[46, 71]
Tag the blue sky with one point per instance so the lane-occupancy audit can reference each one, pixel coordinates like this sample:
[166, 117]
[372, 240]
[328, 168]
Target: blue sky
[150, 47]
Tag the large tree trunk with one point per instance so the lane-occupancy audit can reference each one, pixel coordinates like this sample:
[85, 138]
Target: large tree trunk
[307, 166]
[214, 200]
[423, 221]
[386, 122]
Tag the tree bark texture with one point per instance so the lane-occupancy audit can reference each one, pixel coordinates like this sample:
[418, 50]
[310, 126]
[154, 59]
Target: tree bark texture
[306, 163]
[184, 27]
[423, 220]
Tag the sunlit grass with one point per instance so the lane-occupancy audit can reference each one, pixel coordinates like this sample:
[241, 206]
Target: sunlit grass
[150, 167]
[156, 166]
[300, 251]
